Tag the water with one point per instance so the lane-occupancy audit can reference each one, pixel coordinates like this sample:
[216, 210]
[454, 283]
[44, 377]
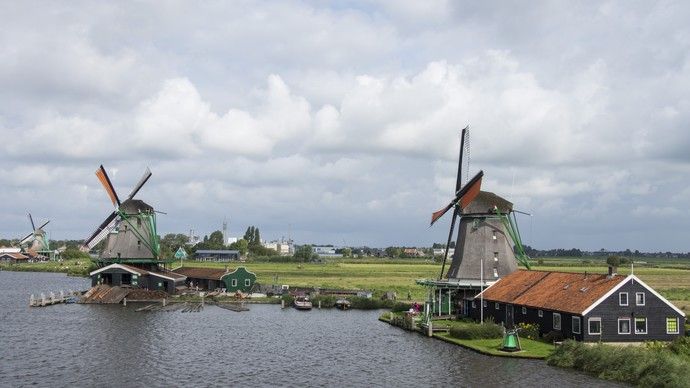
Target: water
[97, 345]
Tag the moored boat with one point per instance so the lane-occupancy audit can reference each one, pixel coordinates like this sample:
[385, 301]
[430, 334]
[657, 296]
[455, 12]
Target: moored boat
[342, 304]
[302, 303]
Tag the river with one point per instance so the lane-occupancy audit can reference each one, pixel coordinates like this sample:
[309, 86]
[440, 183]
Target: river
[98, 345]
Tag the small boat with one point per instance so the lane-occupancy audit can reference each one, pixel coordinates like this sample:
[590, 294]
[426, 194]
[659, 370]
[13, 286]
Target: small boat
[302, 303]
[342, 304]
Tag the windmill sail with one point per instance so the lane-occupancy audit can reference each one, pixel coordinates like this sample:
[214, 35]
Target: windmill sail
[135, 190]
[463, 196]
[105, 181]
[102, 231]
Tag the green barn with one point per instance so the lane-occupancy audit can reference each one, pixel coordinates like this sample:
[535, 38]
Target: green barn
[239, 280]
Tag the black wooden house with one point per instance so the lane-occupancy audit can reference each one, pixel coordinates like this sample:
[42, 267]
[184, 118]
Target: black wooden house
[585, 307]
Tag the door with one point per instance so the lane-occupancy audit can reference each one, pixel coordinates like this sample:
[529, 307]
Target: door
[510, 316]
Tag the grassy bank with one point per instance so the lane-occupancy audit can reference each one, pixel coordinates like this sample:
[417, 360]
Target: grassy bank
[71, 267]
[653, 365]
[530, 348]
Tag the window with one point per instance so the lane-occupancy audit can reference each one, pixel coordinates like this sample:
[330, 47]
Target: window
[576, 325]
[495, 256]
[485, 304]
[594, 326]
[671, 325]
[524, 310]
[234, 282]
[623, 298]
[494, 235]
[623, 325]
[247, 282]
[556, 321]
[497, 306]
[474, 305]
[639, 298]
[540, 313]
[640, 325]
[495, 273]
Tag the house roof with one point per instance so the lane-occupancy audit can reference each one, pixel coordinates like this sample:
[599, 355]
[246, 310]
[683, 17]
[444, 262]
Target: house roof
[14, 255]
[201, 273]
[165, 274]
[557, 291]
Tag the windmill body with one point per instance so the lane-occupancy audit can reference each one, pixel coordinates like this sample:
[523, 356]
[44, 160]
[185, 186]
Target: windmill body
[36, 244]
[134, 238]
[483, 236]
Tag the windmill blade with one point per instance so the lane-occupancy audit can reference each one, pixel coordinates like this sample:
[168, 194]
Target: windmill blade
[463, 135]
[101, 231]
[450, 237]
[41, 227]
[465, 196]
[142, 181]
[105, 181]
[26, 239]
[33, 227]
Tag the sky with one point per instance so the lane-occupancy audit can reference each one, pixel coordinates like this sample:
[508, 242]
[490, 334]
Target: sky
[339, 122]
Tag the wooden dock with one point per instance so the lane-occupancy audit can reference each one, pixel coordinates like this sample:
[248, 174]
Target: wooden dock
[53, 298]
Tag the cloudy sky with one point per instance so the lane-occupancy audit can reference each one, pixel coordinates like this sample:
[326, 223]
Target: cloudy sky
[340, 123]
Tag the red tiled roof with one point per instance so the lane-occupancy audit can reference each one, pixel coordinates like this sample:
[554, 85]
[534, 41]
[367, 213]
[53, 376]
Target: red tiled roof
[15, 255]
[558, 291]
[201, 273]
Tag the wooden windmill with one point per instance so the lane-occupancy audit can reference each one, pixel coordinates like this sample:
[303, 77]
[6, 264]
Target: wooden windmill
[37, 240]
[486, 233]
[130, 229]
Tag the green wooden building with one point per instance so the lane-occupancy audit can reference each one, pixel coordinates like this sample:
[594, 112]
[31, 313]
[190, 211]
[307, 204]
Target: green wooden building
[239, 280]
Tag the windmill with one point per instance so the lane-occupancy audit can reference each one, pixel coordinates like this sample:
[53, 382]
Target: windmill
[130, 228]
[37, 240]
[487, 231]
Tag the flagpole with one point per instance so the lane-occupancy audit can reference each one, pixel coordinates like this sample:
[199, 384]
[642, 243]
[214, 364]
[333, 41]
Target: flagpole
[481, 293]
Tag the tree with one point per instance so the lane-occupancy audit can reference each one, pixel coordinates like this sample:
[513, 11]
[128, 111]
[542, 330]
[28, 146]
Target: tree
[347, 252]
[304, 252]
[216, 240]
[240, 245]
[613, 261]
[257, 237]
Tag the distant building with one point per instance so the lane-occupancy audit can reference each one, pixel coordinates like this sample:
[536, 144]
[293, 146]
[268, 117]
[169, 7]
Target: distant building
[325, 251]
[283, 248]
[442, 251]
[216, 255]
[581, 306]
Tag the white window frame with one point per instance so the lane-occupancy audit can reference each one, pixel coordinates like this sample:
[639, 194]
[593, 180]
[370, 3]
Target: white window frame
[540, 313]
[524, 310]
[486, 304]
[247, 282]
[579, 325]
[498, 306]
[560, 321]
[589, 328]
[677, 325]
[645, 325]
[620, 296]
[644, 298]
[619, 326]
[474, 304]
[233, 282]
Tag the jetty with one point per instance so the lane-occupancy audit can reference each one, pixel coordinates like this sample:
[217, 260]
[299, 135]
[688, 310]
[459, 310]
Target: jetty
[52, 298]
[237, 307]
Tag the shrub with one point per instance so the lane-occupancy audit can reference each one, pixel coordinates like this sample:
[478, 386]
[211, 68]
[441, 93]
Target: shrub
[401, 306]
[403, 321]
[553, 336]
[326, 300]
[487, 330]
[681, 346]
[651, 365]
[528, 330]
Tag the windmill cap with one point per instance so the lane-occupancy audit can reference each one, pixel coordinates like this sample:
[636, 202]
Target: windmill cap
[132, 206]
[484, 204]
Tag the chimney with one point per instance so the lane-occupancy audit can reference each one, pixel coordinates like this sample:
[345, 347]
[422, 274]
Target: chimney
[612, 271]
